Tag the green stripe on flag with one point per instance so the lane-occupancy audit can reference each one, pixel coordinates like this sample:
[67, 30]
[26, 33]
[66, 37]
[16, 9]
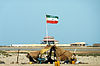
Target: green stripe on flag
[50, 16]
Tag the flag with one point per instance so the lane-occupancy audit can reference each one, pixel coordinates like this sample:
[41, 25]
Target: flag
[51, 19]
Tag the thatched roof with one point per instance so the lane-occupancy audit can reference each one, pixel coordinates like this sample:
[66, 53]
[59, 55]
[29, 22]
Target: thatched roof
[61, 54]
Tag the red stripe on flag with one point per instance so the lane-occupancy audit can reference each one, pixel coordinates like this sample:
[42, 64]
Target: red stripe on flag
[52, 22]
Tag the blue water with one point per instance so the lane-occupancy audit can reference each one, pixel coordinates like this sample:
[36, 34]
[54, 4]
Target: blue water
[41, 48]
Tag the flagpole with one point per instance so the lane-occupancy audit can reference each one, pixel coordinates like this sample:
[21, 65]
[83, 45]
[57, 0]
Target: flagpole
[47, 31]
[54, 20]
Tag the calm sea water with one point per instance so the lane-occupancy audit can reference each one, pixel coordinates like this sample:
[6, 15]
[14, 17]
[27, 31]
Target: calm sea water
[34, 49]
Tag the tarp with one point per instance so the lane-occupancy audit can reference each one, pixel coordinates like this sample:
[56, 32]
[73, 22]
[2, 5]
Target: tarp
[44, 50]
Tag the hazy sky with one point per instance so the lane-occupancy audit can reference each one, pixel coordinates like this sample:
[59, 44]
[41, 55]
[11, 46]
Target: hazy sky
[23, 21]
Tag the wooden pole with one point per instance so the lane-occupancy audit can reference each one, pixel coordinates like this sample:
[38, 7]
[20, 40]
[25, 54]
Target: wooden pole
[18, 56]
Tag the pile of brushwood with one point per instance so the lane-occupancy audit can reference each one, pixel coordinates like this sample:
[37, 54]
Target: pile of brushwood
[51, 54]
[4, 53]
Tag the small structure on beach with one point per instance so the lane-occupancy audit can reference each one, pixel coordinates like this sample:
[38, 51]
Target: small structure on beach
[78, 44]
[96, 45]
[50, 40]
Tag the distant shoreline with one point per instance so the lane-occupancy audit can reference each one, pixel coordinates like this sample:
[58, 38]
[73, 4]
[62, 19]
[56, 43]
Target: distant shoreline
[79, 50]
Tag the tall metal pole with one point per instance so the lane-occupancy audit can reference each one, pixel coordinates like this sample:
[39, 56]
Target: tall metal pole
[47, 31]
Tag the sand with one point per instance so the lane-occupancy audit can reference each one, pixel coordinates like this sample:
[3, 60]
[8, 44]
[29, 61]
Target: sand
[23, 60]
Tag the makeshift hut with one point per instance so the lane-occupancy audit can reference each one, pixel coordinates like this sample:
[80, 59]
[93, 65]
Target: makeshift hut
[59, 54]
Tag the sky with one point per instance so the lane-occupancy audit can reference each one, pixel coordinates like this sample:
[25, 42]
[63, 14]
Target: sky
[24, 22]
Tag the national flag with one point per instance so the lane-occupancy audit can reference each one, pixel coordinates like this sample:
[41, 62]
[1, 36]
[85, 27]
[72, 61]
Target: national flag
[51, 19]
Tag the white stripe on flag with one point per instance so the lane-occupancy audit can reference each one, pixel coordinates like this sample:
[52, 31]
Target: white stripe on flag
[53, 19]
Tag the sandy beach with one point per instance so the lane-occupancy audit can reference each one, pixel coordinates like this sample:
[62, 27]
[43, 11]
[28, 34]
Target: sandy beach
[24, 61]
